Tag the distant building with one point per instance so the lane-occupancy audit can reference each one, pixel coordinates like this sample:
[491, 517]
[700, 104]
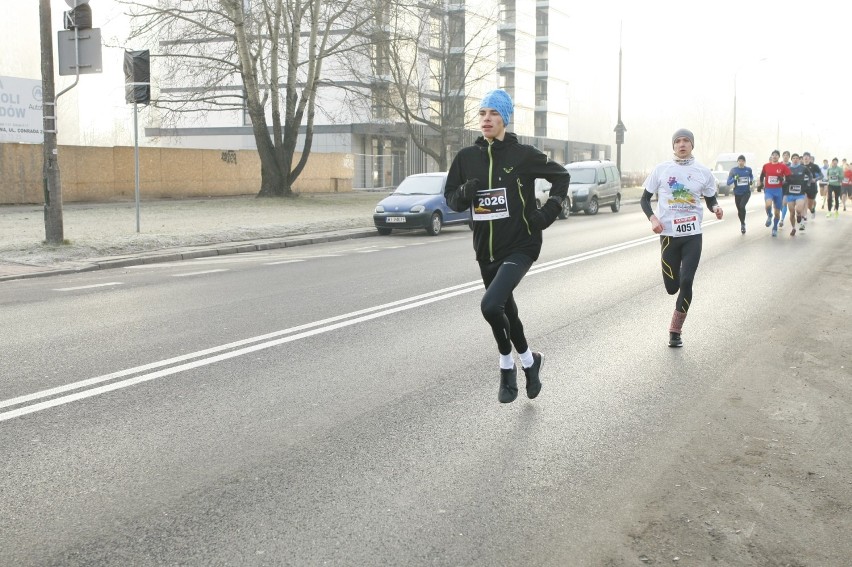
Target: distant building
[459, 35]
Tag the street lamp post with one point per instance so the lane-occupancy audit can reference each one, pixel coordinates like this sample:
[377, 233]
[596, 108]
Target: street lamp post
[734, 135]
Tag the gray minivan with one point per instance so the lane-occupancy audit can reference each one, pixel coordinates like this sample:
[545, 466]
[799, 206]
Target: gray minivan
[594, 183]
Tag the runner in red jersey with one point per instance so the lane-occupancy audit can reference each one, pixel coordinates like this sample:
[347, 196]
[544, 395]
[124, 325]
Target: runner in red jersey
[772, 181]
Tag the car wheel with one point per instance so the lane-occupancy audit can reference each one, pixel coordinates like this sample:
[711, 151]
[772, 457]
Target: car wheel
[592, 209]
[384, 231]
[435, 224]
[566, 207]
[616, 205]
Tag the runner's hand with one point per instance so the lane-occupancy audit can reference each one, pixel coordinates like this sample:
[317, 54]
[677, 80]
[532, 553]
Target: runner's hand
[469, 188]
[656, 225]
[718, 212]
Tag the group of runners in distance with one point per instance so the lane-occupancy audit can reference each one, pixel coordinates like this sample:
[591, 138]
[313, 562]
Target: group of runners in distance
[790, 184]
[494, 179]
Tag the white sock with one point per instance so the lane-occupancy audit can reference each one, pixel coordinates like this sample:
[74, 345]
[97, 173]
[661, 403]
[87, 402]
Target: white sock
[507, 362]
[527, 359]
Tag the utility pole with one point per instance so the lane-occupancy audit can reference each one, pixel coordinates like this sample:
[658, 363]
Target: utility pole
[53, 228]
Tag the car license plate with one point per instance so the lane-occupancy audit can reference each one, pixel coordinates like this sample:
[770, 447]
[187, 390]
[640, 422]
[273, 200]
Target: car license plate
[395, 219]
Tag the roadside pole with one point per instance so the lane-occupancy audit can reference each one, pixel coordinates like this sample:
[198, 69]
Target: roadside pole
[53, 226]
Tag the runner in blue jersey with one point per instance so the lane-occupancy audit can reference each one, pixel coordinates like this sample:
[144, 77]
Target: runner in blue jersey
[741, 177]
[795, 187]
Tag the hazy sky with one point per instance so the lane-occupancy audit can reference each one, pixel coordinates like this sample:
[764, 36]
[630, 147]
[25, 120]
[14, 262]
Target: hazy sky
[679, 64]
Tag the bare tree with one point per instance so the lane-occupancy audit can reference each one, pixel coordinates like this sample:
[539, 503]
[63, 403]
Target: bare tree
[261, 57]
[428, 61]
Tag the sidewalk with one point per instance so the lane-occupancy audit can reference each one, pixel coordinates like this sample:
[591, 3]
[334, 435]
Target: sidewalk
[103, 235]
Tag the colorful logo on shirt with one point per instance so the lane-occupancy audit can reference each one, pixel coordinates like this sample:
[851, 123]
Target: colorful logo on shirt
[680, 194]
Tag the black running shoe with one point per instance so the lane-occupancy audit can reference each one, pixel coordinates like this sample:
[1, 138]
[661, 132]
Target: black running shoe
[674, 340]
[533, 381]
[508, 385]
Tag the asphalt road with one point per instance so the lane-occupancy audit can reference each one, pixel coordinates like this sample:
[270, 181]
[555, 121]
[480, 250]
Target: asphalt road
[336, 404]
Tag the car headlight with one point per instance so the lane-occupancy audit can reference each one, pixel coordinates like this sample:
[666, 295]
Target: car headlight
[418, 209]
[581, 192]
[380, 209]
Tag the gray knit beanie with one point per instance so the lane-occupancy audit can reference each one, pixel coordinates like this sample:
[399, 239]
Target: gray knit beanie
[683, 132]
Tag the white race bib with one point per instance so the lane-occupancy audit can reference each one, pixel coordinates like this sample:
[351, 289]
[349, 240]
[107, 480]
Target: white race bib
[795, 189]
[772, 180]
[742, 181]
[490, 204]
[686, 224]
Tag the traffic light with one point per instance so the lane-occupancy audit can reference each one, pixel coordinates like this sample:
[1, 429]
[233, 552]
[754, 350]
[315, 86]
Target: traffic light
[137, 76]
[80, 15]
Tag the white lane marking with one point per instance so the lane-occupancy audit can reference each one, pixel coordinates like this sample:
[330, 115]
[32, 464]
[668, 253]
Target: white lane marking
[200, 273]
[87, 286]
[366, 251]
[281, 262]
[206, 361]
[293, 334]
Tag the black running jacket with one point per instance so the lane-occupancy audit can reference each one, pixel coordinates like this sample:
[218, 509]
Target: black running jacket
[514, 166]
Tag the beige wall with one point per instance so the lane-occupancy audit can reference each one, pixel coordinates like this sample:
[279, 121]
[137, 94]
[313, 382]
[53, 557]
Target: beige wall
[107, 174]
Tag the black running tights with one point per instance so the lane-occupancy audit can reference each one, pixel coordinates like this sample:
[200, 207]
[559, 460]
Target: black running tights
[834, 191]
[498, 304]
[741, 201]
[680, 256]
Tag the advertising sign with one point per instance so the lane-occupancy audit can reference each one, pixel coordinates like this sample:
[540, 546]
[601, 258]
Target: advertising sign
[21, 111]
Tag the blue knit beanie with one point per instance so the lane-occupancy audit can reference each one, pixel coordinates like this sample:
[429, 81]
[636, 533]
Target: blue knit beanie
[500, 101]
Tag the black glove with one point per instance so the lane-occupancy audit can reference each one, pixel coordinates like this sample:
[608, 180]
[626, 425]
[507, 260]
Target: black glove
[554, 204]
[468, 189]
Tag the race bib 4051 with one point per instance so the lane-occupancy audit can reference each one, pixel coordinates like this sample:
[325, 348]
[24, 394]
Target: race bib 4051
[686, 225]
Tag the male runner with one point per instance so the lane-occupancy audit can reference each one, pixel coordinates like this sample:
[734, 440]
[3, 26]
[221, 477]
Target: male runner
[823, 184]
[495, 177]
[835, 187]
[846, 184]
[772, 181]
[785, 159]
[679, 184]
[794, 187]
[741, 177]
[811, 190]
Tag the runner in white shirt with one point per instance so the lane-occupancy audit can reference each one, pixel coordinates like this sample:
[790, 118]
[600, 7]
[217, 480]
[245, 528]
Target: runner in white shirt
[679, 185]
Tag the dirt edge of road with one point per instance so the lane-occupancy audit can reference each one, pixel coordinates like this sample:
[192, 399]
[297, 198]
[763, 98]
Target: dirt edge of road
[764, 478]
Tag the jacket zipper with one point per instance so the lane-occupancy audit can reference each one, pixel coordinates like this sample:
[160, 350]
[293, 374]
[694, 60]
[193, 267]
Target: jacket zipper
[523, 206]
[490, 222]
